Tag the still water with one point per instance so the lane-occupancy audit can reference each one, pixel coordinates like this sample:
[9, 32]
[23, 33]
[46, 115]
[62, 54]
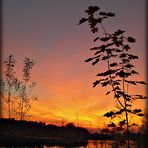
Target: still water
[100, 144]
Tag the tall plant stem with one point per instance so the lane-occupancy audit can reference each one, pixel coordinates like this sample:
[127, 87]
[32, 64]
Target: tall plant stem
[9, 111]
[23, 101]
[9, 101]
[126, 113]
[108, 63]
[123, 85]
[125, 104]
[22, 105]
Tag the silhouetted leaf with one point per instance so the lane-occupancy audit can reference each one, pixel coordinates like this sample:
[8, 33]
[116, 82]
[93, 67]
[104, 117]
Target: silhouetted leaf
[96, 83]
[129, 105]
[110, 44]
[105, 83]
[102, 13]
[131, 39]
[128, 99]
[123, 55]
[137, 110]
[126, 47]
[94, 30]
[114, 38]
[92, 22]
[108, 93]
[109, 114]
[88, 60]
[140, 115]
[105, 57]
[108, 51]
[97, 52]
[121, 93]
[117, 50]
[113, 64]
[82, 21]
[92, 9]
[129, 65]
[100, 74]
[116, 83]
[108, 72]
[130, 56]
[102, 47]
[142, 82]
[128, 110]
[120, 112]
[110, 14]
[118, 32]
[125, 60]
[112, 77]
[134, 72]
[94, 48]
[131, 82]
[105, 39]
[123, 74]
[96, 39]
[122, 123]
[116, 96]
[139, 97]
[117, 88]
[95, 62]
[117, 43]
[99, 20]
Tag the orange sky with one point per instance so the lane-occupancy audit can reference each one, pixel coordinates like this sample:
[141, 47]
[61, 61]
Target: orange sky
[59, 47]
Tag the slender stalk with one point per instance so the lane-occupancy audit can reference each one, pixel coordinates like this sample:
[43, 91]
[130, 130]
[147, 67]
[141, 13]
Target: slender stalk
[126, 113]
[23, 101]
[108, 63]
[125, 104]
[9, 105]
[22, 104]
[123, 84]
[9, 99]
[25, 96]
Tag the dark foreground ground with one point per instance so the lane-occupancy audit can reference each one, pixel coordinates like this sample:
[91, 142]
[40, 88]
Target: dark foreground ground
[29, 133]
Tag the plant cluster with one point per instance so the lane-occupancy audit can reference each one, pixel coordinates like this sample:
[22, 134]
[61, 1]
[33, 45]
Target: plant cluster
[16, 93]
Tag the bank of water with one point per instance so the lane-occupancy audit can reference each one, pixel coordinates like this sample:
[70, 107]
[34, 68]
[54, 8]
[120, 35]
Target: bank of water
[102, 144]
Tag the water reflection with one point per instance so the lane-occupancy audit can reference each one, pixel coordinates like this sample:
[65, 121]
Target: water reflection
[99, 144]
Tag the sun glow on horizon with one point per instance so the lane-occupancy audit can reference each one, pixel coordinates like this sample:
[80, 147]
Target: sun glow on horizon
[59, 47]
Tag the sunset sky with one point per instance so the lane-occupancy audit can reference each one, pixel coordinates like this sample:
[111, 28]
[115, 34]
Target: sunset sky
[47, 31]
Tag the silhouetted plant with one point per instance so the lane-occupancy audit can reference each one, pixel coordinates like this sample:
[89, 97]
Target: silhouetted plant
[8, 83]
[15, 92]
[24, 88]
[1, 94]
[113, 49]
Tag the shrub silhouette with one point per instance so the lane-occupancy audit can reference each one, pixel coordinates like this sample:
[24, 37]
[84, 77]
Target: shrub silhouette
[9, 83]
[17, 92]
[114, 49]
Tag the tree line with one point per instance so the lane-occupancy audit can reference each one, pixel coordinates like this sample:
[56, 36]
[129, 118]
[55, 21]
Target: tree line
[33, 133]
[24, 133]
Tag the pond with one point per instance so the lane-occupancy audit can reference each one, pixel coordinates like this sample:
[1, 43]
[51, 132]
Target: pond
[101, 144]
